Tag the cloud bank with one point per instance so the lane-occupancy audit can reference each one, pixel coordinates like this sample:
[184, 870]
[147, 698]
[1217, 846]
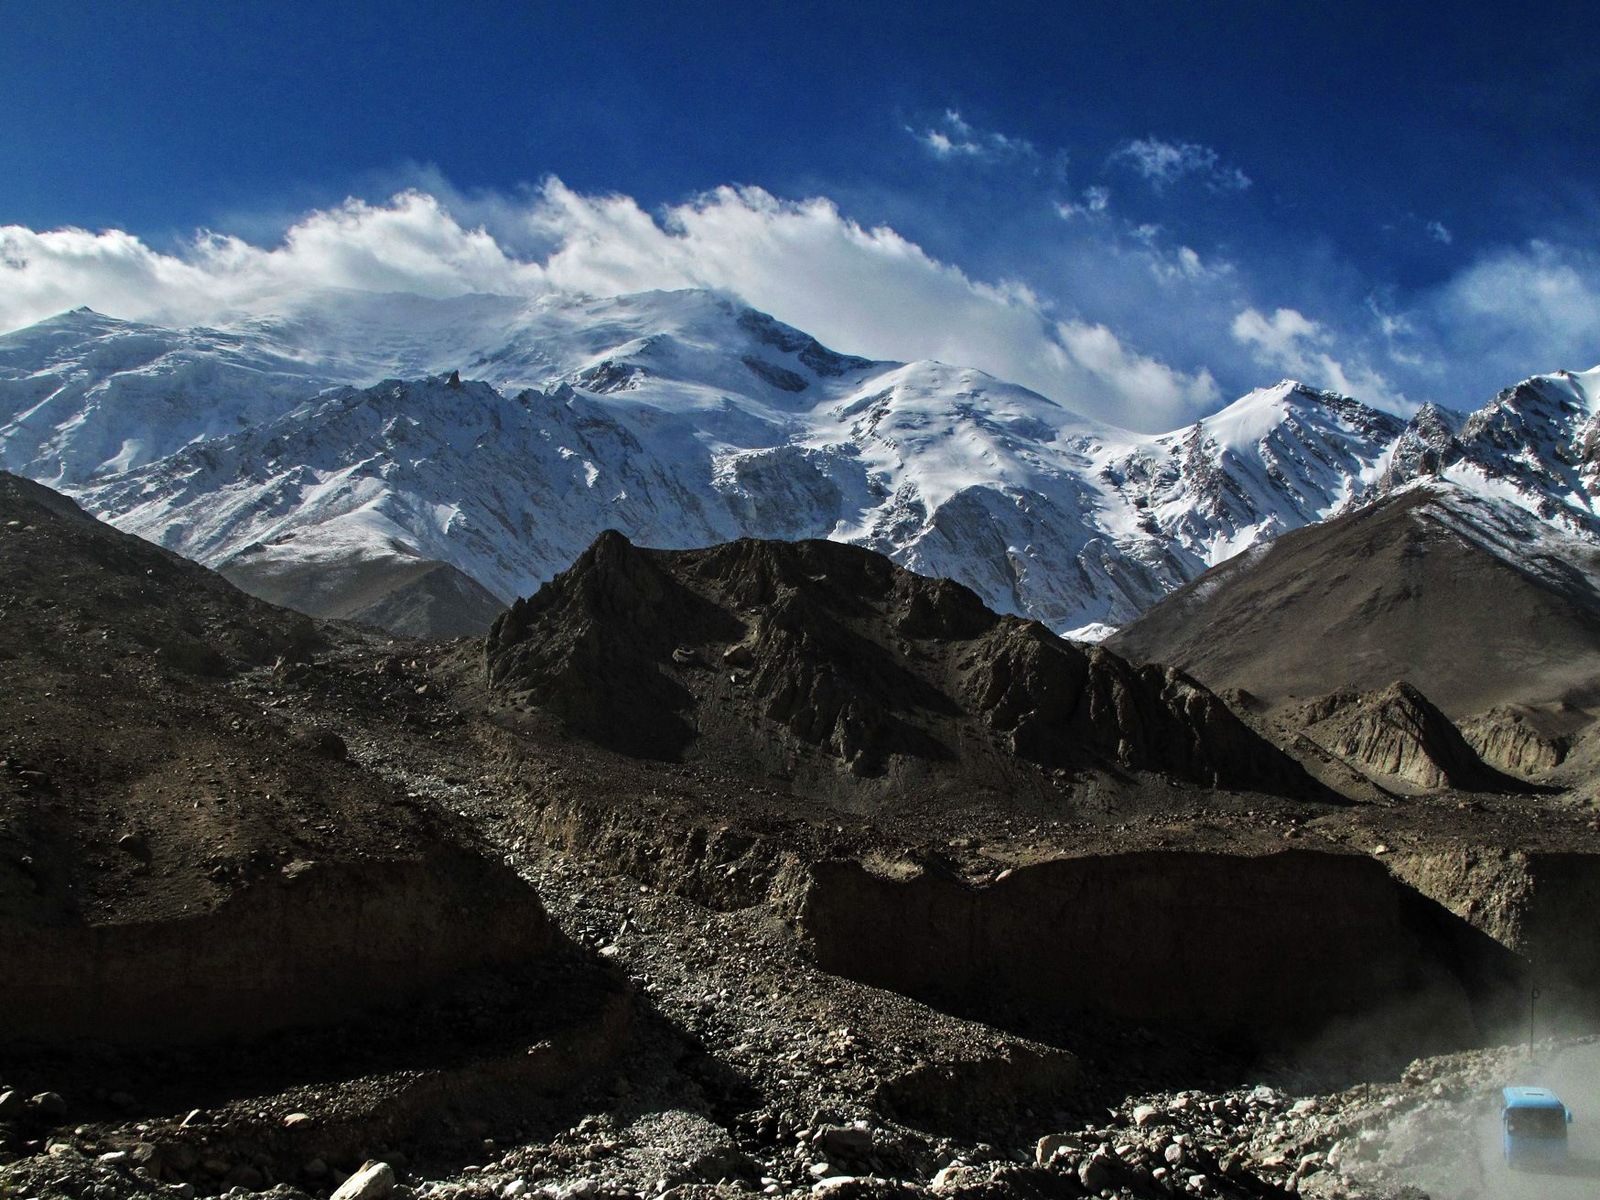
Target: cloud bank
[866, 290]
[1113, 318]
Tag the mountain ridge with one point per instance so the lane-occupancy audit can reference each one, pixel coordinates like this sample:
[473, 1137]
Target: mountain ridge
[828, 666]
[1477, 603]
[334, 434]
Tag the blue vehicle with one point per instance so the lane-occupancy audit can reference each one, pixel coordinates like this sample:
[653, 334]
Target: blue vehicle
[1533, 1127]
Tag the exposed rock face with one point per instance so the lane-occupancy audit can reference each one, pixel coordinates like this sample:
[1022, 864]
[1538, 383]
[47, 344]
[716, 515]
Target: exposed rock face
[1512, 739]
[1397, 734]
[1539, 904]
[1425, 448]
[1271, 946]
[790, 653]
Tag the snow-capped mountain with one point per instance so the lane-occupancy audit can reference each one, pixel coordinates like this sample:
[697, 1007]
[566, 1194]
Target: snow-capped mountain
[1535, 445]
[499, 436]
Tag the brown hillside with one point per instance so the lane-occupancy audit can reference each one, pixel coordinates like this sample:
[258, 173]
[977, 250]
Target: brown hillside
[1393, 591]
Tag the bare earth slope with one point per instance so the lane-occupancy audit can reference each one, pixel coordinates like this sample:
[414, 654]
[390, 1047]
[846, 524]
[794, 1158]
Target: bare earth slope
[175, 862]
[409, 596]
[1404, 589]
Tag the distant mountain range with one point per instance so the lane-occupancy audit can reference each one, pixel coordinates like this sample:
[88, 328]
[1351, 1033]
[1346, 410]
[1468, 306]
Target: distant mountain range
[421, 463]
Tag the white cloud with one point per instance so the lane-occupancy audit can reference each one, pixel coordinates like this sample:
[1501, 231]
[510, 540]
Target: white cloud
[1439, 233]
[1154, 386]
[1186, 266]
[1164, 163]
[411, 244]
[1095, 201]
[1291, 342]
[952, 137]
[1541, 287]
[1278, 338]
[865, 290]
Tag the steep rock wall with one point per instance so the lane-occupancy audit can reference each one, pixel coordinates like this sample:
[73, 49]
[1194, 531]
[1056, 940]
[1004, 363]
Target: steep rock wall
[319, 945]
[1274, 948]
[1543, 906]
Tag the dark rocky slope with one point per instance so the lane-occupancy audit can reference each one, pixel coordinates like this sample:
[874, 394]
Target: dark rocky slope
[827, 666]
[177, 862]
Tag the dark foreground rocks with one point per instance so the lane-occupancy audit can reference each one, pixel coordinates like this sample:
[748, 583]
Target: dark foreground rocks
[291, 908]
[178, 864]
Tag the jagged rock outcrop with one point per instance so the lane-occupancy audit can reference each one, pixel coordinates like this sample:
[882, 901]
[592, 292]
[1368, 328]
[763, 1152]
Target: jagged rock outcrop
[1399, 735]
[795, 652]
[1424, 448]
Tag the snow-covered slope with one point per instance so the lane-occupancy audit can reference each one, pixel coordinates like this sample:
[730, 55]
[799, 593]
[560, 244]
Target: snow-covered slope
[83, 395]
[499, 436]
[1536, 445]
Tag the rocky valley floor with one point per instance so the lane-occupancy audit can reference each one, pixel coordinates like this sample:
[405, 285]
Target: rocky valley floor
[679, 971]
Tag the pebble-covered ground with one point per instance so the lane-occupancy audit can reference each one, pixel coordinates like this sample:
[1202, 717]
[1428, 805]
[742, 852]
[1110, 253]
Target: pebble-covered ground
[745, 1071]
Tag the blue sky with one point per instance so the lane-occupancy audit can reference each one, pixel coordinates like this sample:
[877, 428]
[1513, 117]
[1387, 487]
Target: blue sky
[1143, 209]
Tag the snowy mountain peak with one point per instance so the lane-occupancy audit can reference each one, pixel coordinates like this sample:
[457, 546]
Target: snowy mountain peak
[1258, 415]
[1535, 445]
[376, 437]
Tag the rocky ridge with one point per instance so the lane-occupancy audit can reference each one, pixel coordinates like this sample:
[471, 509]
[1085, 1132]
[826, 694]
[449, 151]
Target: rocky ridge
[1400, 737]
[789, 656]
[1525, 742]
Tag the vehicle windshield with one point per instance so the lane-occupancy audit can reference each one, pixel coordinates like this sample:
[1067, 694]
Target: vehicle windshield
[1536, 1122]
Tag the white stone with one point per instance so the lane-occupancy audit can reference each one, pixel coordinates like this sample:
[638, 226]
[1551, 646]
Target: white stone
[953, 1178]
[374, 1181]
[1053, 1144]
